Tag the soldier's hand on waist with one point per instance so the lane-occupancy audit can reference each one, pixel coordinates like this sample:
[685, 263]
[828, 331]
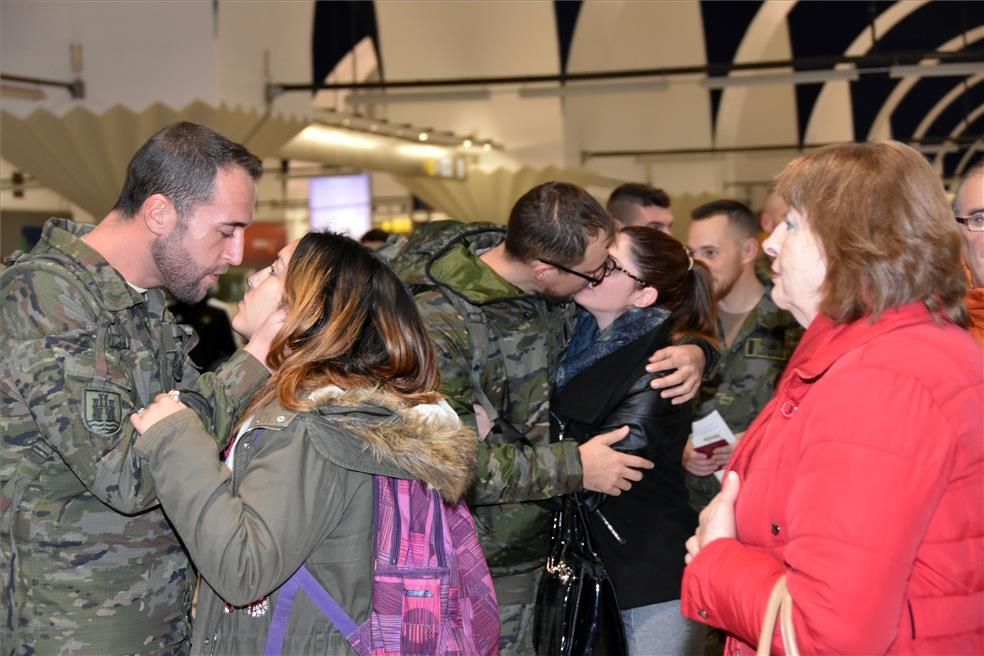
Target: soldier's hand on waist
[686, 366]
[163, 406]
[607, 470]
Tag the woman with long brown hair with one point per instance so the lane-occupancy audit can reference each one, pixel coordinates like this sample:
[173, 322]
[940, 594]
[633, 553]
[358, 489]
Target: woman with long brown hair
[653, 293]
[353, 393]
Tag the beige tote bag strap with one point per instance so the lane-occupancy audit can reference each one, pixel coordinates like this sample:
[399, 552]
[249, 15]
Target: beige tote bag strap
[780, 607]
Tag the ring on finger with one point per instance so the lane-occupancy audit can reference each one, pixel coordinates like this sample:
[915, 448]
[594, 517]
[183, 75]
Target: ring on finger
[140, 411]
[174, 394]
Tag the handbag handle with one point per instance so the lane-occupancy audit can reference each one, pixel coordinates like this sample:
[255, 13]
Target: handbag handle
[780, 607]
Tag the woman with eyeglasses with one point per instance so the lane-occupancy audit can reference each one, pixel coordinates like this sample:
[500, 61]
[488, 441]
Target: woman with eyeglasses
[652, 293]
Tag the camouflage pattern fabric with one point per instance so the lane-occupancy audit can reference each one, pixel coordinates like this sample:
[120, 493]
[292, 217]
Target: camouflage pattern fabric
[745, 378]
[513, 340]
[89, 562]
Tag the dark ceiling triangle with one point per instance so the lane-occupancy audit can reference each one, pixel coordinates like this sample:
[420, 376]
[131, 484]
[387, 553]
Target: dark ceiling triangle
[566, 13]
[339, 27]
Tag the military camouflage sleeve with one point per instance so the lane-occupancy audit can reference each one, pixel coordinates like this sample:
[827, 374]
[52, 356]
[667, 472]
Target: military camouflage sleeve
[513, 473]
[506, 472]
[228, 392]
[58, 368]
[712, 354]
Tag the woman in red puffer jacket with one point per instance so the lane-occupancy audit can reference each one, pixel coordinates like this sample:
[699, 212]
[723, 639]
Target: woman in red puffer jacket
[862, 481]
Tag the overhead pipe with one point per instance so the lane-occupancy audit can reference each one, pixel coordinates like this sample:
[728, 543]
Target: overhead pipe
[865, 64]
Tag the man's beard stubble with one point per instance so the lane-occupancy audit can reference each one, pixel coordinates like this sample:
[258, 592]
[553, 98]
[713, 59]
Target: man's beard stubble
[182, 278]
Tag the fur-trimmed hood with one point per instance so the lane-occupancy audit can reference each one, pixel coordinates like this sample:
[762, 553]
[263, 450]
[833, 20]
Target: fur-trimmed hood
[427, 441]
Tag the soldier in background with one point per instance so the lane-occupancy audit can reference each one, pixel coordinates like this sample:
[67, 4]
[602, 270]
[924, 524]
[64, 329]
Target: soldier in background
[89, 562]
[756, 337]
[634, 204]
[493, 301]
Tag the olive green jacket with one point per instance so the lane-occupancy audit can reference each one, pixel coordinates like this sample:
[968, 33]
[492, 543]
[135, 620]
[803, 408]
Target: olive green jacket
[300, 491]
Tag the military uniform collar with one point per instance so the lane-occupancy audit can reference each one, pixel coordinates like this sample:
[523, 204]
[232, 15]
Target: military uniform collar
[460, 268]
[66, 236]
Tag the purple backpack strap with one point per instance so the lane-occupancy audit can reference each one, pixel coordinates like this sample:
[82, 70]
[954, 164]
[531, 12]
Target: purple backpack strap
[303, 579]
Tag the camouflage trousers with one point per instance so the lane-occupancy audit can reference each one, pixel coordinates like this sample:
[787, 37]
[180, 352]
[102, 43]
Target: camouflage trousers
[516, 595]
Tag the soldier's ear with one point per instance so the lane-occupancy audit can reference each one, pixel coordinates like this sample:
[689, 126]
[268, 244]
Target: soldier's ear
[158, 214]
[540, 270]
[749, 250]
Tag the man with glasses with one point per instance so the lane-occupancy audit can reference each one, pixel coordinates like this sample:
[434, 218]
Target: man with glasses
[969, 210]
[494, 302]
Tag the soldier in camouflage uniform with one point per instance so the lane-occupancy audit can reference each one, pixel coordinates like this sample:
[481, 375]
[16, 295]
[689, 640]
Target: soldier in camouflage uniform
[757, 337]
[89, 562]
[492, 302]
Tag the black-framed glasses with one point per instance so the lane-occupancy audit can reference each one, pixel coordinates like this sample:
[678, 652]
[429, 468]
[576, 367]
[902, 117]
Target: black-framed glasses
[974, 222]
[611, 265]
[593, 279]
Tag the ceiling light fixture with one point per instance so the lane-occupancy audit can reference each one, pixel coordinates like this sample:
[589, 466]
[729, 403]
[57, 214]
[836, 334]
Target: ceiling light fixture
[22, 93]
[391, 97]
[593, 88]
[936, 70]
[799, 77]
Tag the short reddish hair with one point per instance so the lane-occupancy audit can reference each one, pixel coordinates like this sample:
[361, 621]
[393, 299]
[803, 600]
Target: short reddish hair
[882, 218]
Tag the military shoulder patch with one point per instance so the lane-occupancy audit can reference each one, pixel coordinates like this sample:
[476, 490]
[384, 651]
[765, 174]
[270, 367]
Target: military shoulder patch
[103, 411]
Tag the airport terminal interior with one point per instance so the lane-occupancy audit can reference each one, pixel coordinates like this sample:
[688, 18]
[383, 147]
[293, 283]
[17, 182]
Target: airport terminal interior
[388, 114]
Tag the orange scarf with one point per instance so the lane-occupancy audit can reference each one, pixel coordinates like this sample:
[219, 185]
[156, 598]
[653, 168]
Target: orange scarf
[975, 307]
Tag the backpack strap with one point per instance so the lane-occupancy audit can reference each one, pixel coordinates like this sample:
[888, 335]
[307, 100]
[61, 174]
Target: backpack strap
[304, 580]
[478, 331]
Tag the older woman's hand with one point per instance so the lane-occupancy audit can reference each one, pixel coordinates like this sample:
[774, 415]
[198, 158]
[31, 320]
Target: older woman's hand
[717, 520]
[163, 406]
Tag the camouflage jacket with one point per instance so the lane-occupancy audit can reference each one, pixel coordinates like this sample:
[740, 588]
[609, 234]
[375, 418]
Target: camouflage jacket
[746, 376]
[89, 562]
[513, 341]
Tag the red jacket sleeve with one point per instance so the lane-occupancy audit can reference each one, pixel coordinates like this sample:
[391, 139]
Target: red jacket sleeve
[871, 460]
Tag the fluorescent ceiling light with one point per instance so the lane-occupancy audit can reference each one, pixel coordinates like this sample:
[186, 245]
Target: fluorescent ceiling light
[421, 151]
[936, 70]
[937, 149]
[24, 93]
[593, 88]
[329, 136]
[800, 77]
[381, 98]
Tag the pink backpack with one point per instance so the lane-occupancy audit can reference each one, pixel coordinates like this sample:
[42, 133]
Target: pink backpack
[432, 592]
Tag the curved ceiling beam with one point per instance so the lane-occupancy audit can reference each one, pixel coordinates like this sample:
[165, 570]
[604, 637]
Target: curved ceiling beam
[941, 106]
[831, 114]
[740, 103]
[965, 160]
[881, 127]
[956, 132]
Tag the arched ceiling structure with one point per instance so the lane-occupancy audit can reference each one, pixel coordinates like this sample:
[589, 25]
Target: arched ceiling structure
[621, 35]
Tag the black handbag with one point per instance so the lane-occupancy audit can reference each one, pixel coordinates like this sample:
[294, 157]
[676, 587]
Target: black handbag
[576, 609]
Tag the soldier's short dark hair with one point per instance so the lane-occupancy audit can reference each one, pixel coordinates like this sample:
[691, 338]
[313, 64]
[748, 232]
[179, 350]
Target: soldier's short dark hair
[555, 221]
[180, 162]
[625, 198]
[740, 217]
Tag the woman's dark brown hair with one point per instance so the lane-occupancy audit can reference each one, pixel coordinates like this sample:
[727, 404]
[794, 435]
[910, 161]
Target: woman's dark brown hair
[886, 229]
[350, 322]
[682, 283]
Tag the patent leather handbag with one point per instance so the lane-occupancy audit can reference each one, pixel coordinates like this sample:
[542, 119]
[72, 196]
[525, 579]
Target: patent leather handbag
[576, 609]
